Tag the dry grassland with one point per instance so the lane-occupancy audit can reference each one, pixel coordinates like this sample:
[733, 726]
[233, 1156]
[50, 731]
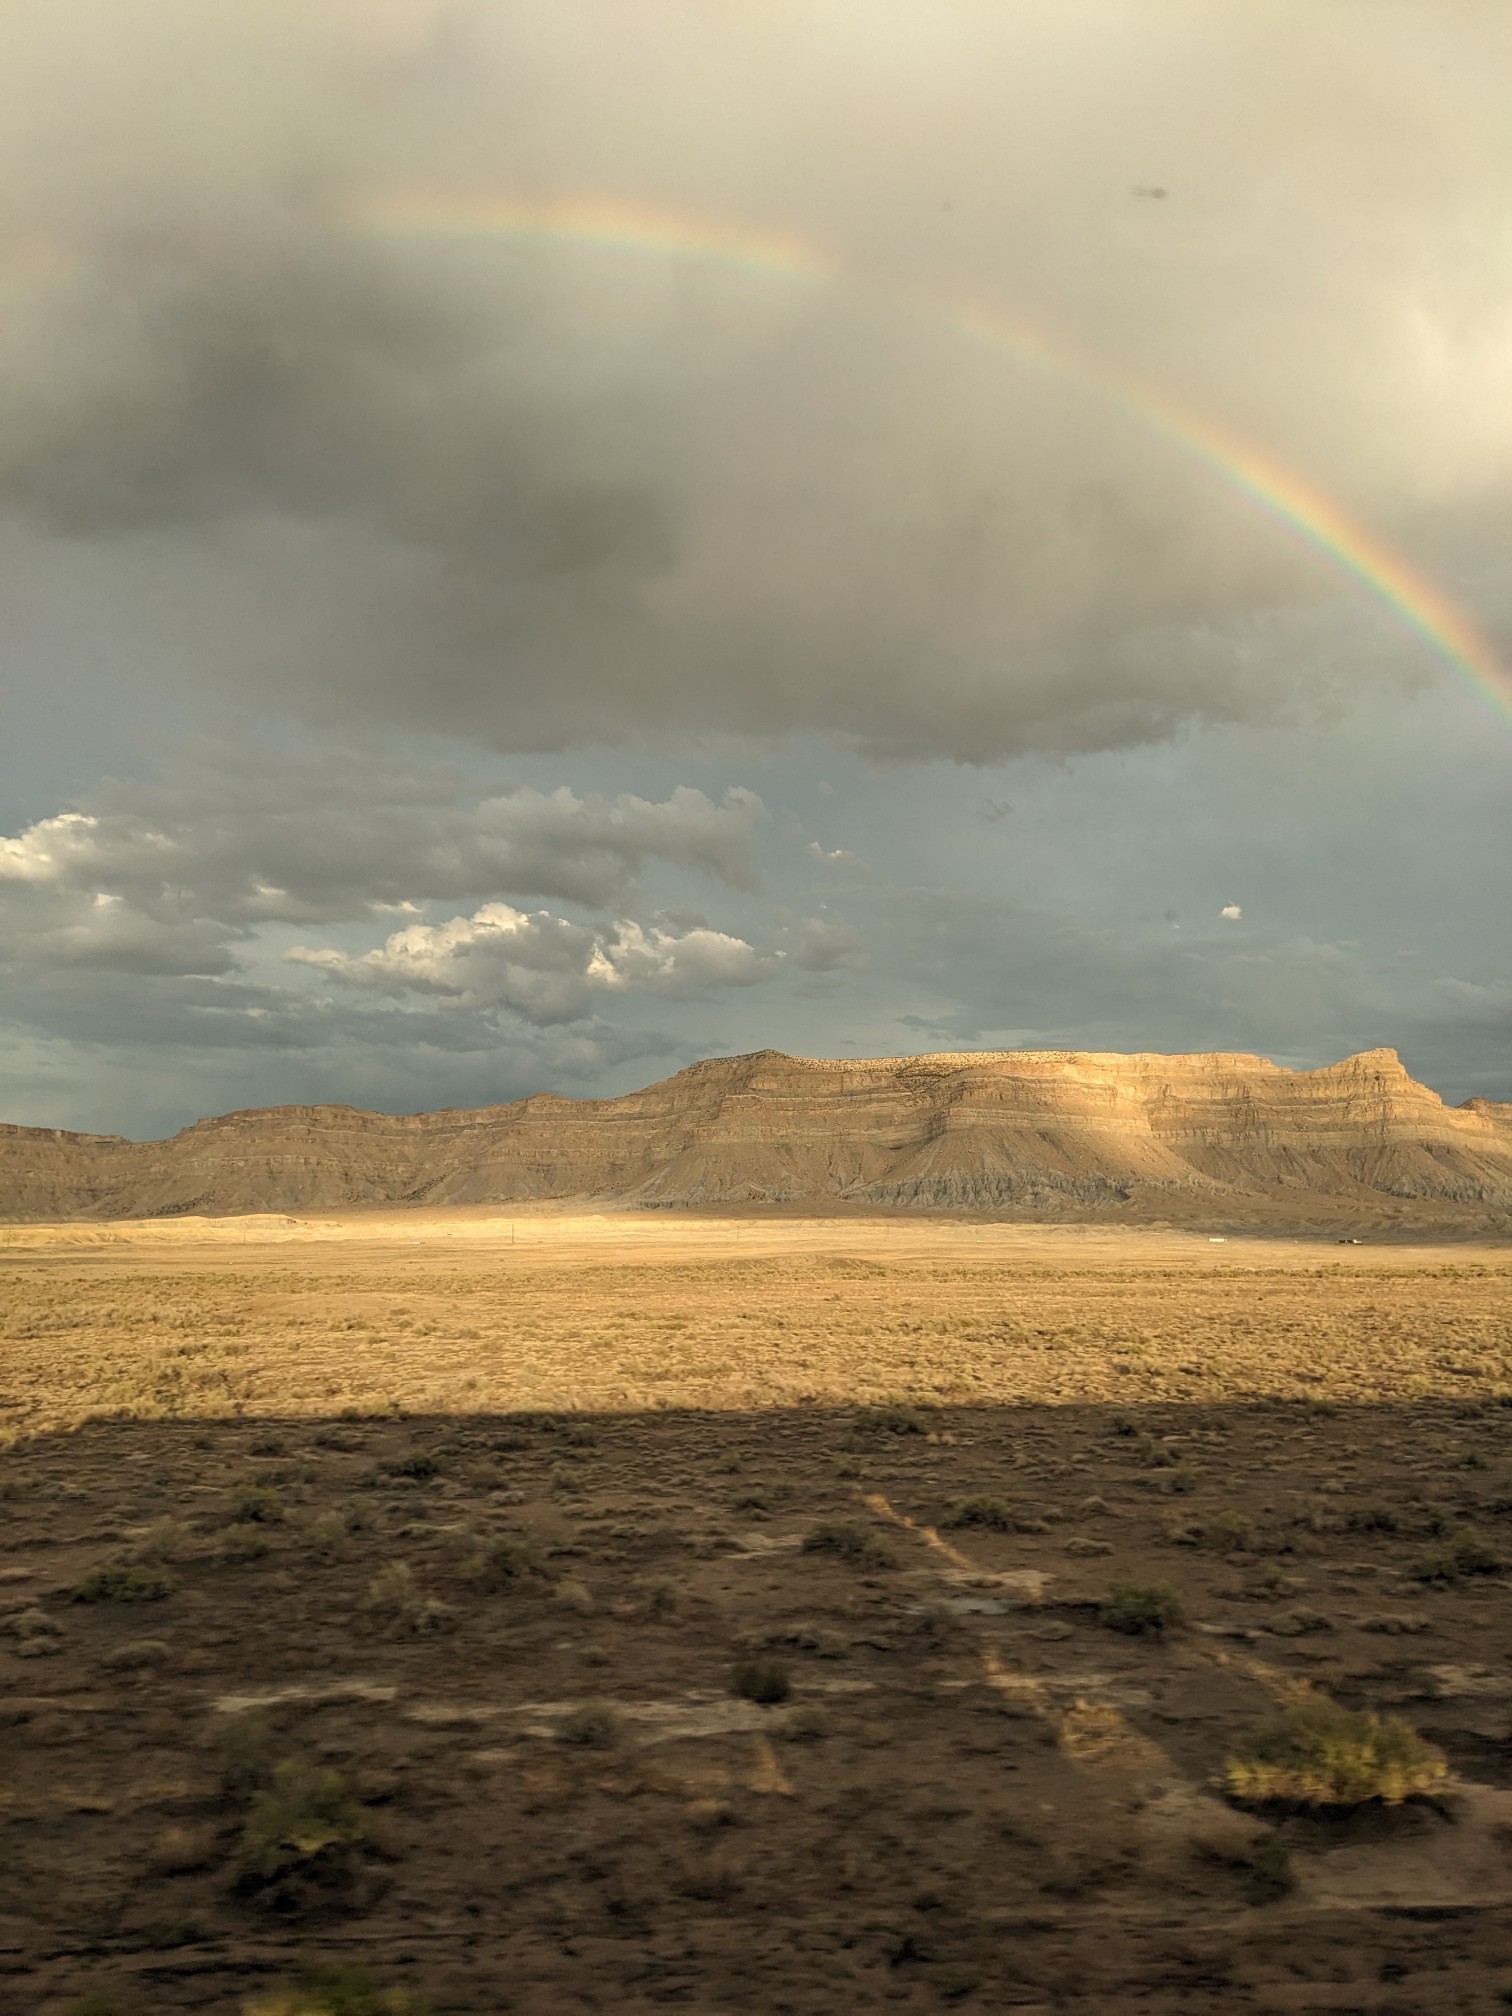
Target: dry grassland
[263, 1317]
[752, 1614]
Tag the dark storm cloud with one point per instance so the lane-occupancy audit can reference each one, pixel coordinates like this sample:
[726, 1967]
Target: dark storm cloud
[368, 493]
[541, 494]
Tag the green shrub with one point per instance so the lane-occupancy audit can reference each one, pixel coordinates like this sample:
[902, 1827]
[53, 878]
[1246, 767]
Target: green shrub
[594, 1726]
[257, 1505]
[503, 1561]
[125, 1582]
[30, 1624]
[1466, 1555]
[305, 1824]
[857, 1544]
[1371, 1519]
[1319, 1754]
[992, 1513]
[659, 1595]
[245, 1541]
[763, 1680]
[394, 1596]
[136, 1654]
[327, 1535]
[1141, 1609]
[418, 1464]
[1175, 1480]
[892, 1418]
[334, 1991]
[1155, 1455]
[164, 1540]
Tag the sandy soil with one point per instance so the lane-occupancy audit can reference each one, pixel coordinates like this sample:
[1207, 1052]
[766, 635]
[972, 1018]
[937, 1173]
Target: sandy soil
[485, 1529]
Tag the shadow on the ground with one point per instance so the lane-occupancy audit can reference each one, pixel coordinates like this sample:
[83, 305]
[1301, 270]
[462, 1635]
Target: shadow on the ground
[471, 1699]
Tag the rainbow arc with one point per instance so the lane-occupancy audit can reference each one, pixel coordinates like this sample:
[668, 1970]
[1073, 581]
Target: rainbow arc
[1307, 512]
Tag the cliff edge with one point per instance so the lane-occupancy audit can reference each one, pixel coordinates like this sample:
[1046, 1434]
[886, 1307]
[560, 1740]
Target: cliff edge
[1216, 1137]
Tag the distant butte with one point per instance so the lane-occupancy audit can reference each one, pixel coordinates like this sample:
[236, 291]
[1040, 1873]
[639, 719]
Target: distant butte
[1221, 1139]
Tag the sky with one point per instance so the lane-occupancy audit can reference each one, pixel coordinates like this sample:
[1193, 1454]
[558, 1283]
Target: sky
[542, 540]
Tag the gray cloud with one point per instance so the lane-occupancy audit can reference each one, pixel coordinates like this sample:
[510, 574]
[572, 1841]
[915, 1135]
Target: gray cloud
[373, 507]
[1011, 975]
[250, 840]
[540, 493]
[155, 913]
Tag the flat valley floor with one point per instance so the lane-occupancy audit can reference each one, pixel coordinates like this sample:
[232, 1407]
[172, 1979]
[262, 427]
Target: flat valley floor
[647, 1611]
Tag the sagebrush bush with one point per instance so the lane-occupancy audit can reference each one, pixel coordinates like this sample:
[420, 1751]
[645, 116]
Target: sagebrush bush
[163, 1540]
[136, 1654]
[334, 1991]
[1155, 1455]
[419, 1464]
[30, 1623]
[125, 1582]
[505, 1560]
[247, 1540]
[992, 1513]
[763, 1680]
[306, 1823]
[1319, 1754]
[852, 1542]
[1467, 1554]
[659, 1595]
[256, 1505]
[594, 1726]
[1233, 1532]
[1141, 1609]
[327, 1535]
[892, 1418]
[395, 1597]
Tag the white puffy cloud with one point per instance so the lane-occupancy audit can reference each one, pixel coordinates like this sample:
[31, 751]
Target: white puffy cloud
[1232, 911]
[543, 967]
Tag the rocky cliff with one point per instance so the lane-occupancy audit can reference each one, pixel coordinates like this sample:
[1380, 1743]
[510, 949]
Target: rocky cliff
[1037, 1132]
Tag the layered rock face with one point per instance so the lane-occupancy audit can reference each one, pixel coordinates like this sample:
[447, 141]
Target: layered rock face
[1039, 1132]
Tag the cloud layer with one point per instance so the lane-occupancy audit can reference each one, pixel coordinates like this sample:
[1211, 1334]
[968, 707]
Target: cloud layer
[401, 613]
[249, 840]
[160, 914]
[541, 492]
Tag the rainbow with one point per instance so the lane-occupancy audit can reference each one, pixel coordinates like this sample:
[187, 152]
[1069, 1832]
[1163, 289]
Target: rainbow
[1307, 512]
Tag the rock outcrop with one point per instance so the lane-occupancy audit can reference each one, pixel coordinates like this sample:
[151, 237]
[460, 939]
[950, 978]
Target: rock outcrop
[1022, 1132]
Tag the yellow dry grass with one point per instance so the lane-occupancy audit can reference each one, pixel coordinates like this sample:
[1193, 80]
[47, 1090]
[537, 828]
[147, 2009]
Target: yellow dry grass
[463, 1313]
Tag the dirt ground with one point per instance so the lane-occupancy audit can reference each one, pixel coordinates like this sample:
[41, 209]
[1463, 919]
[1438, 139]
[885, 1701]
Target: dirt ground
[395, 1590]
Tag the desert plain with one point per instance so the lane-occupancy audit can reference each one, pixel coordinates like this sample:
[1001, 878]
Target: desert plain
[745, 1611]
